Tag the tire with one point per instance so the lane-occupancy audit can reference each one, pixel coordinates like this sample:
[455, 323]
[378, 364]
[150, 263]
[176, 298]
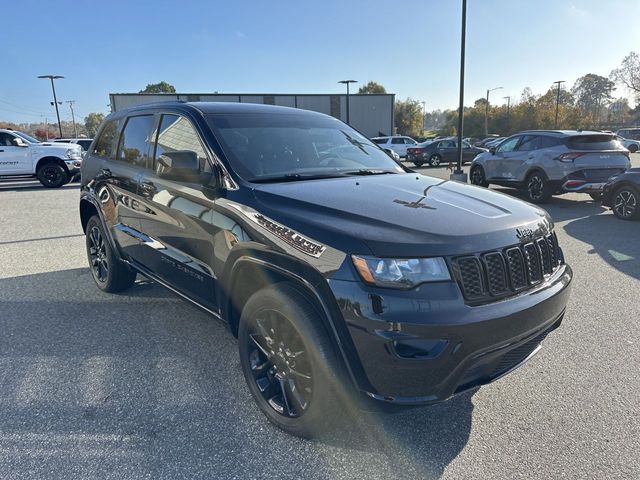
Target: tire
[626, 203]
[52, 175]
[435, 159]
[109, 272]
[478, 177]
[288, 362]
[633, 148]
[536, 187]
[418, 164]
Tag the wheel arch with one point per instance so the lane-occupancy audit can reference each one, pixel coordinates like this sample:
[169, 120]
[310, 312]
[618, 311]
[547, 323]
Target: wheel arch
[51, 159]
[253, 270]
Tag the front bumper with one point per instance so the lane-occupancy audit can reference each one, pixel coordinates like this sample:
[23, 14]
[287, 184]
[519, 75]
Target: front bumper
[425, 345]
[73, 167]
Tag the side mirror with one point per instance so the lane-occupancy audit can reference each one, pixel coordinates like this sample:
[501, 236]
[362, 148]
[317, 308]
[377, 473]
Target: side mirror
[18, 142]
[493, 150]
[180, 165]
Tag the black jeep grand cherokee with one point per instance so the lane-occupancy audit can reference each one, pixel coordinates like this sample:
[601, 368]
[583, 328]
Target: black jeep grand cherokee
[343, 275]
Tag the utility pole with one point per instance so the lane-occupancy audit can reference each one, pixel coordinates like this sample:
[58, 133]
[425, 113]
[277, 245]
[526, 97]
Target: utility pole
[46, 128]
[557, 100]
[486, 111]
[458, 174]
[508, 112]
[424, 113]
[73, 117]
[347, 82]
[55, 100]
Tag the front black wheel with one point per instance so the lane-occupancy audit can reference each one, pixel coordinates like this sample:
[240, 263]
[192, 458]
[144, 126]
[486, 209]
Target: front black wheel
[633, 148]
[536, 187]
[625, 203]
[435, 160]
[288, 361]
[417, 164]
[596, 197]
[109, 272]
[52, 175]
[478, 177]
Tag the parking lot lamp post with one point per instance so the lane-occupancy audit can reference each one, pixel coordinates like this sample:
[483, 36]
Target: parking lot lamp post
[557, 101]
[424, 113]
[458, 174]
[347, 82]
[508, 98]
[486, 111]
[55, 100]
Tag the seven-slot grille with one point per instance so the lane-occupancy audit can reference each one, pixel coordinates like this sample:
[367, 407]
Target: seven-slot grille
[496, 274]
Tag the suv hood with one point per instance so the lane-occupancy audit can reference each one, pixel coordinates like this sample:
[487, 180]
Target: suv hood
[400, 215]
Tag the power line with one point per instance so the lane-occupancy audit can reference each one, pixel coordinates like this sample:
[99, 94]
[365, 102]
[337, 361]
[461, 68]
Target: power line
[22, 107]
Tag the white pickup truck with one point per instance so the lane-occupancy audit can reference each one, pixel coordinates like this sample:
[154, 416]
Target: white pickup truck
[24, 156]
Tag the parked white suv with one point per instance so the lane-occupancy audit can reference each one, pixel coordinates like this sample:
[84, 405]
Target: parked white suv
[397, 143]
[52, 164]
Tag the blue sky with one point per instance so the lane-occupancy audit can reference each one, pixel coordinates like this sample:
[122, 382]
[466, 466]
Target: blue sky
[411, 47]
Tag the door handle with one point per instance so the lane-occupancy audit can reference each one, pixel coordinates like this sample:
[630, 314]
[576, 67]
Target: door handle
[105, 172]
[147, 187]
[1, 150]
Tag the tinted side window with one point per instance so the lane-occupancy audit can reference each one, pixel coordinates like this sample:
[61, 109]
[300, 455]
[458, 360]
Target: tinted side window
[176, 134]
[134, 141]
[380, 141]
[6, 139]
[106, 144]
[529, 143]
[548, 142]
[397, 141]
[85, 144]
[508, 145]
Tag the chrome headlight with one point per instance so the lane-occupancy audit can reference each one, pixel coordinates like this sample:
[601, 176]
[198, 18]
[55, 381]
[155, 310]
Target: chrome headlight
[73, 154]
[401, 272]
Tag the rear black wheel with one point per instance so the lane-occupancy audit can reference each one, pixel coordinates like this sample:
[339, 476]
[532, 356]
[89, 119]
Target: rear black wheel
[536, 187]
[626, 203]
[108, 271]
[633, 148]
[52, 175]
[418, 164]
[478, 177]
[435, 159]
[288, 361]
[596, 196]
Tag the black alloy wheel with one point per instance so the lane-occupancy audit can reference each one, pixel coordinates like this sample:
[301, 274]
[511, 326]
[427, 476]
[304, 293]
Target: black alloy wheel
[537, 188]
[280, 363]
[478, 177]
[289, 362]
[435, 159]
[52, 175]
[625, 203]
[109, 272]
[98, 255]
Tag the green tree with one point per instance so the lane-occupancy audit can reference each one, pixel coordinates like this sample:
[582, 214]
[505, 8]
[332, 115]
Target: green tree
[408, 117]
[628, 74]
[92, 123]
[372, 87]
[592, 92]
[160, 87]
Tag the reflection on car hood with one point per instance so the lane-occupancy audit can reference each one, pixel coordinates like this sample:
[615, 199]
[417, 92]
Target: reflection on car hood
[401, 215]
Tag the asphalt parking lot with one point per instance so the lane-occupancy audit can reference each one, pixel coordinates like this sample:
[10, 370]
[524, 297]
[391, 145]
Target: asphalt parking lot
[143, 385]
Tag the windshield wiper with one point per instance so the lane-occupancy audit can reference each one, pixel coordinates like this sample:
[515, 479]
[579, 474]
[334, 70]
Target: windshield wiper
[292, 177]
[365, 171]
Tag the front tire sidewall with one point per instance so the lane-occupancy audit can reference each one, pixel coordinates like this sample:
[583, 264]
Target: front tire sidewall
[322, 410]
[478, 177]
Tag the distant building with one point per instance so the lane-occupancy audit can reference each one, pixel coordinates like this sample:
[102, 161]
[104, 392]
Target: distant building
[371, 114]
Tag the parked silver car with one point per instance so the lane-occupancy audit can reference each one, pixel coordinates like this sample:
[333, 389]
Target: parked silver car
[548, 162]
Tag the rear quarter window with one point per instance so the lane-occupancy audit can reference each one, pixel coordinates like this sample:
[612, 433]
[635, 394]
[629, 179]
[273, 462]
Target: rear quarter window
[594, 142]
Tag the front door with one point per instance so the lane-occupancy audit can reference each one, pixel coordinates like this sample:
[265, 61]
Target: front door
[14, 159]
[497, 165]
[178, 219]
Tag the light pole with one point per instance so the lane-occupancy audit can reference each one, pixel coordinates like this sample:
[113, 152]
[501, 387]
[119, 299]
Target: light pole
[508, 111]
[73, 117]
[486, 111]
[347, 82]
[55, 100]
[557, 101]
[458, 174]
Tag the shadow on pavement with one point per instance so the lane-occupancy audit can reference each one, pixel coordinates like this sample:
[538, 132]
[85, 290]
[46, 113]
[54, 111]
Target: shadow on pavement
[142, 384]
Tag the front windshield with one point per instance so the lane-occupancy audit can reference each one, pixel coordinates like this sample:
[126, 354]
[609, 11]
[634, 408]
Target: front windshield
[27, 138]
[273, 146]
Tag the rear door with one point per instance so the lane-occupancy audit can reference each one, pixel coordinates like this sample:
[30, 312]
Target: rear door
[397, 145]
[14, 160]
[123, 153]
[178, 220]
